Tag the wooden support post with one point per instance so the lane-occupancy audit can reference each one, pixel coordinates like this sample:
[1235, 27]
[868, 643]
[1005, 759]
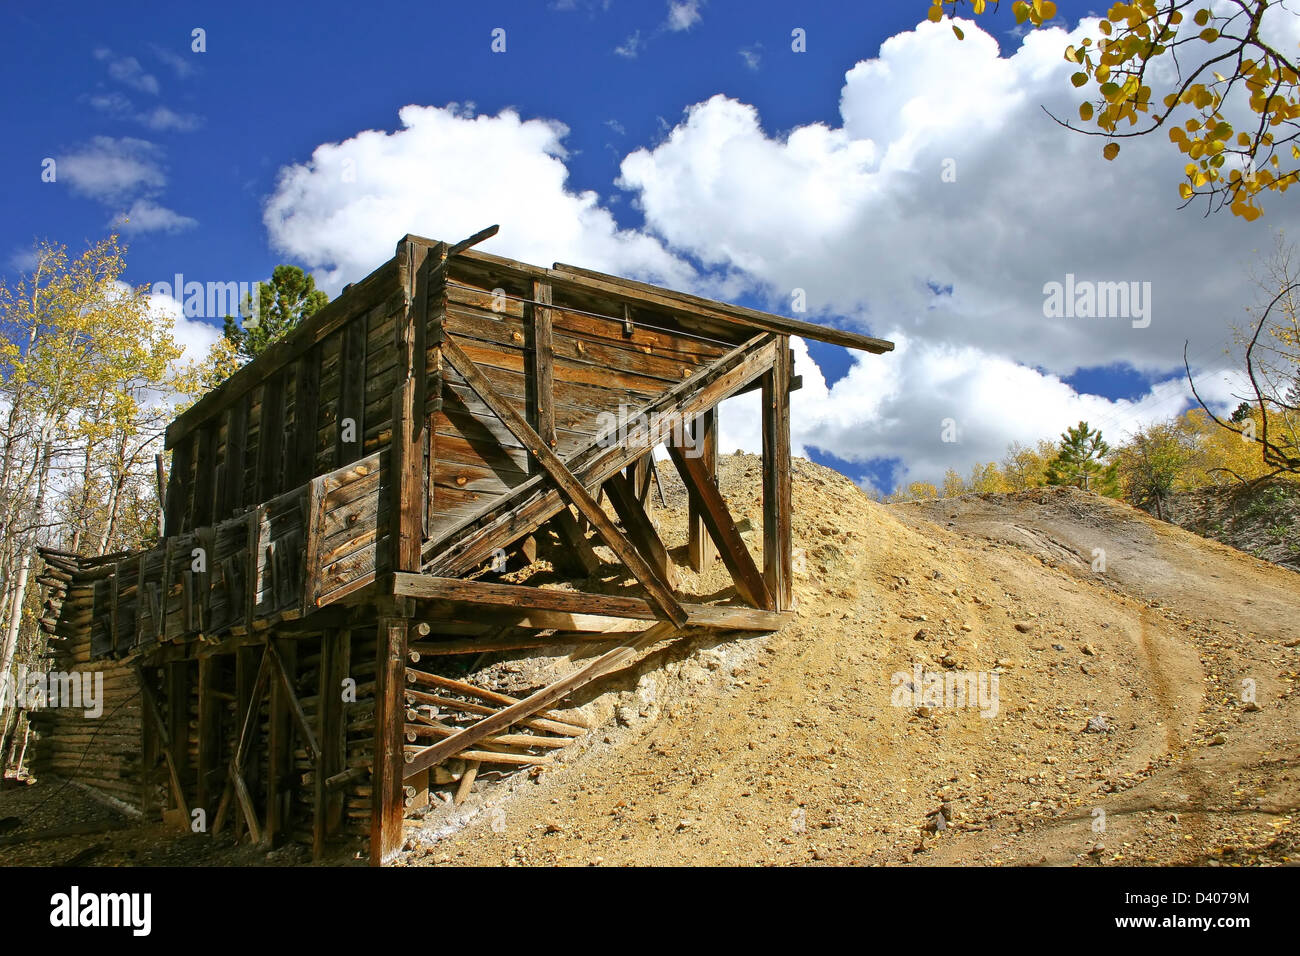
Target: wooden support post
[331, 732]
[661, 594]
[640, 529]
[405, 530]
[178, 728]
[717, 518]
[778, 571]
[700, 550]
[210, 738]
[279, 767]
[247, 694]
[249, 707]
[150, 749]
[387, 799]
[165, 739]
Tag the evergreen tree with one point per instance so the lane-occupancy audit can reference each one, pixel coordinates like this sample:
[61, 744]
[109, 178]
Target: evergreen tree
[283, 303]
[1082, 462]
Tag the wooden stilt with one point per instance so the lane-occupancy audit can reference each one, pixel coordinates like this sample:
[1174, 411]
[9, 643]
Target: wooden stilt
[778, 571]
[700, 550]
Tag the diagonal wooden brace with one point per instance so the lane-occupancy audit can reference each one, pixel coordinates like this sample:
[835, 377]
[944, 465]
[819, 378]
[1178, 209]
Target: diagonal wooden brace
[605, 664]
[717, 518]
[661, 595]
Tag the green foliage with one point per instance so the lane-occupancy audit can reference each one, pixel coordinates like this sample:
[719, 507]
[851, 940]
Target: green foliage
[1082, 462]
[283, 303]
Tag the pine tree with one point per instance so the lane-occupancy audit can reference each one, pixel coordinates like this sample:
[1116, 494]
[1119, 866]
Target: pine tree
[1082, 462]
[283, 303]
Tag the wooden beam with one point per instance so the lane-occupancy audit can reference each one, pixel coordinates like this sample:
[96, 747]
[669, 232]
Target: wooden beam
[387, 797]
[209, 731]
[406, 511]
[682, 302]
[533, 603]
[717, 518]
[640, 529]
[291, 698]
[661, 594]
[778, 569]
[607, 663]
[700, 550]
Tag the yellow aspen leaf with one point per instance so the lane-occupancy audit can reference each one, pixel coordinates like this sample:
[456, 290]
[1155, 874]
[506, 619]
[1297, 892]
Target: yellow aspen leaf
[978, 6]
[957, 30]
[935, 14]
[1202, 17]
[1079, 79]
[1210, 35]
[1085, 111]
[1185, 190]
[1111, 150]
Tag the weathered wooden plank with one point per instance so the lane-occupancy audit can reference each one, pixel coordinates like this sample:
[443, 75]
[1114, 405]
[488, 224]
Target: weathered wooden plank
[359, 298]
[306, 406]
[350, 423]
[270, 443]
[540, 365]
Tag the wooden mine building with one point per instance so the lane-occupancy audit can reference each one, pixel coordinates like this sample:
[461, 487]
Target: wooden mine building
[274, 660]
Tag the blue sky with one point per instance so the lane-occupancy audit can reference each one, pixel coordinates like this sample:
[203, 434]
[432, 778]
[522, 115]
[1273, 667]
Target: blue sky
[196, 142]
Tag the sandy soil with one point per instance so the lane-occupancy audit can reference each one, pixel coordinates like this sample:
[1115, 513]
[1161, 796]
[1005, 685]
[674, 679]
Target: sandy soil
[1122, 732]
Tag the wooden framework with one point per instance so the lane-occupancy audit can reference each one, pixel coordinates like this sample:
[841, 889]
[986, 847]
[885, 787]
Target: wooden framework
[328, 503]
